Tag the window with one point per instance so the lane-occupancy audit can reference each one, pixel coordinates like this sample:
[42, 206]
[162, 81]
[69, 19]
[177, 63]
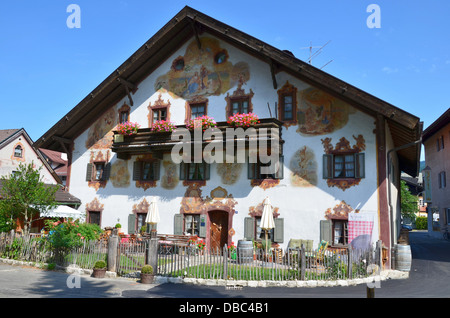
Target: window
[255, 171]
[159, 114]
[447, 214]
[197, 110]
[442, 180]
[287, 104]
[194, 171]
[146, 170]
[287, 109]
[341, 166]
[140, 221]
[192, 224]
[98, 171]
[239, 106]
[440, 143]
[94, 217]
[18, 152]
[123, 117]
[340, 232]
[253, 231]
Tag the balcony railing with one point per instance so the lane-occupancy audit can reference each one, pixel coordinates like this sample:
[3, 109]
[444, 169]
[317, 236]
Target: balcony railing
[147, 141]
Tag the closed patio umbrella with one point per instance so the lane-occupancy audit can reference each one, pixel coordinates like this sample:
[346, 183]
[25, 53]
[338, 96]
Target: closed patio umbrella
[153, 214]
[267, 222]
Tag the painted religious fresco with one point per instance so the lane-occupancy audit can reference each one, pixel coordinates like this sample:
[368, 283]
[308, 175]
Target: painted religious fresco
[303, 166]
[100, 134]
[203, 71]
[169, 179]
[229, 172]
[120, 175]
[320, 113]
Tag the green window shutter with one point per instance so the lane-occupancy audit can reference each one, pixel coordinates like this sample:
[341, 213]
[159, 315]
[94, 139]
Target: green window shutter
[202, 229]
[325, 230]
[207, 169]
[327, 166]
[183, 172]
[131, 223]
[249, 228]
[279, 174]
[251, 170]
[178, 224]
[137, 166]
[106, 171]
[89, 172]
[278, 231]
[156, 169]
[360, 165]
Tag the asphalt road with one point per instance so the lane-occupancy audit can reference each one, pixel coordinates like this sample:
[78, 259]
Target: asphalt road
[429, 278]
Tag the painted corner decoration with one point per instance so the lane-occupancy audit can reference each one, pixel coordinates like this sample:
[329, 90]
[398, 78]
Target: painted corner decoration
[203, 71]
[320, 113]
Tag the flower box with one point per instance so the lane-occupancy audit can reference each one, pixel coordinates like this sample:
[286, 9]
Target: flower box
[163, 126]
[128, 128]
[203, 122]
[243, 120]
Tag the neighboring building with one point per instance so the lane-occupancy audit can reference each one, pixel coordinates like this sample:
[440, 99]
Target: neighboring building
[337, 143]
[58, 162]
[436, 141]
[16, 147]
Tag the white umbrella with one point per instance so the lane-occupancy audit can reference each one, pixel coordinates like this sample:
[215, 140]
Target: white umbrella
[63, 211]
[267, 222]
[153, 213]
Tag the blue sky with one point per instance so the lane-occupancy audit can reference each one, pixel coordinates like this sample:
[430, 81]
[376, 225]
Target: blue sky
[48, 68]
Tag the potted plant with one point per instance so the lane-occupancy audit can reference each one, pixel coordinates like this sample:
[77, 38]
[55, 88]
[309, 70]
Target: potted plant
[99, 269]
[203, 122]
[243, 120]
[147, 275]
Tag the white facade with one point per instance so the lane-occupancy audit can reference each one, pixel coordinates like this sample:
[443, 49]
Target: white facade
[301, 203]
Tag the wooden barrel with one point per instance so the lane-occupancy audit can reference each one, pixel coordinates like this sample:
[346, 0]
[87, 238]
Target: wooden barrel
[244, 252]
[403, 257]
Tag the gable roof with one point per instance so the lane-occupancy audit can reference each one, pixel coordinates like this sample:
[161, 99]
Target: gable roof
[437, 125]
[188, 23]
[9, 135]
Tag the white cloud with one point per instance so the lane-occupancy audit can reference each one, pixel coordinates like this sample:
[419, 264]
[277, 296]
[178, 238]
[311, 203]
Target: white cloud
[389, 70]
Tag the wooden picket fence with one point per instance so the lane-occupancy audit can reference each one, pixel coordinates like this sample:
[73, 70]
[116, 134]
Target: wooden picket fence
[278, 264]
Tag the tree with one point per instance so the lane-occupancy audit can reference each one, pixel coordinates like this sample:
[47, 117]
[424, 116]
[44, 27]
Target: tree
[24, 195]
[409, 206]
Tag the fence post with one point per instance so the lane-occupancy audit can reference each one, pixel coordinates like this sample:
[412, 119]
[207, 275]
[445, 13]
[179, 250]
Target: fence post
[303, 263]
[225, 261]
[350, 263]
[113, 241]
[152, 252]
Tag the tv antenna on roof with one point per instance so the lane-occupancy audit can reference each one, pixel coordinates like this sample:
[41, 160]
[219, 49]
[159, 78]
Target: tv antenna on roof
[316, 53]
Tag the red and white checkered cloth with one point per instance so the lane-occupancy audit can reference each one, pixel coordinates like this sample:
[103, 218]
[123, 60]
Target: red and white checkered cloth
[359, 224]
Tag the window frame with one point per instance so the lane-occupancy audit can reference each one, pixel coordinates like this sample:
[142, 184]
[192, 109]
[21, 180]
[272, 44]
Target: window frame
[240, 101]
[329, 167]
[20, 155]
[287, 90]
[442, 179]
[254, 170]
[139, 170]
[92, 212]
[334, 223]
[196, 105]
[185, 171]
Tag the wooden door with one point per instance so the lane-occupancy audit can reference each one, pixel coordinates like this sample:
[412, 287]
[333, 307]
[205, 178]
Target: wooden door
[218, 229]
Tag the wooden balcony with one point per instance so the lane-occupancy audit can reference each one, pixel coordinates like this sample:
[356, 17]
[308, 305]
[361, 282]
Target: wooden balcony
[156, 143]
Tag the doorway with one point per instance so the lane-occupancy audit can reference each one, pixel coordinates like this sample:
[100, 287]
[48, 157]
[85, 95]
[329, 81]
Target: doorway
[218, 229]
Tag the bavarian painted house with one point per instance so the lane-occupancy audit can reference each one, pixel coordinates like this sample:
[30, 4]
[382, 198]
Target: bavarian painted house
[341, 150]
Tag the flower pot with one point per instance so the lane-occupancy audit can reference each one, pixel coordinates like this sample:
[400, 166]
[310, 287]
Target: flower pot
[118, 138]
[147, 278]
[99, 272]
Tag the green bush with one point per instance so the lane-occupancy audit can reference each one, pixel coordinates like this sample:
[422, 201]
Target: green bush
[64, 236]
[147, 269]
[421, 223]
[100, 264]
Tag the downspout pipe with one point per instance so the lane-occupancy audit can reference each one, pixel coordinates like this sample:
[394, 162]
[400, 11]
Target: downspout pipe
[389, 185]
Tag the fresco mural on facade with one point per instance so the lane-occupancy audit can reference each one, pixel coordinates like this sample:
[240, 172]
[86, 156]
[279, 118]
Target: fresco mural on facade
[229, 172]
[169, 179]
[120, 175]
[203, 71]
[303, 166]
[320, 113]
[100, 134]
